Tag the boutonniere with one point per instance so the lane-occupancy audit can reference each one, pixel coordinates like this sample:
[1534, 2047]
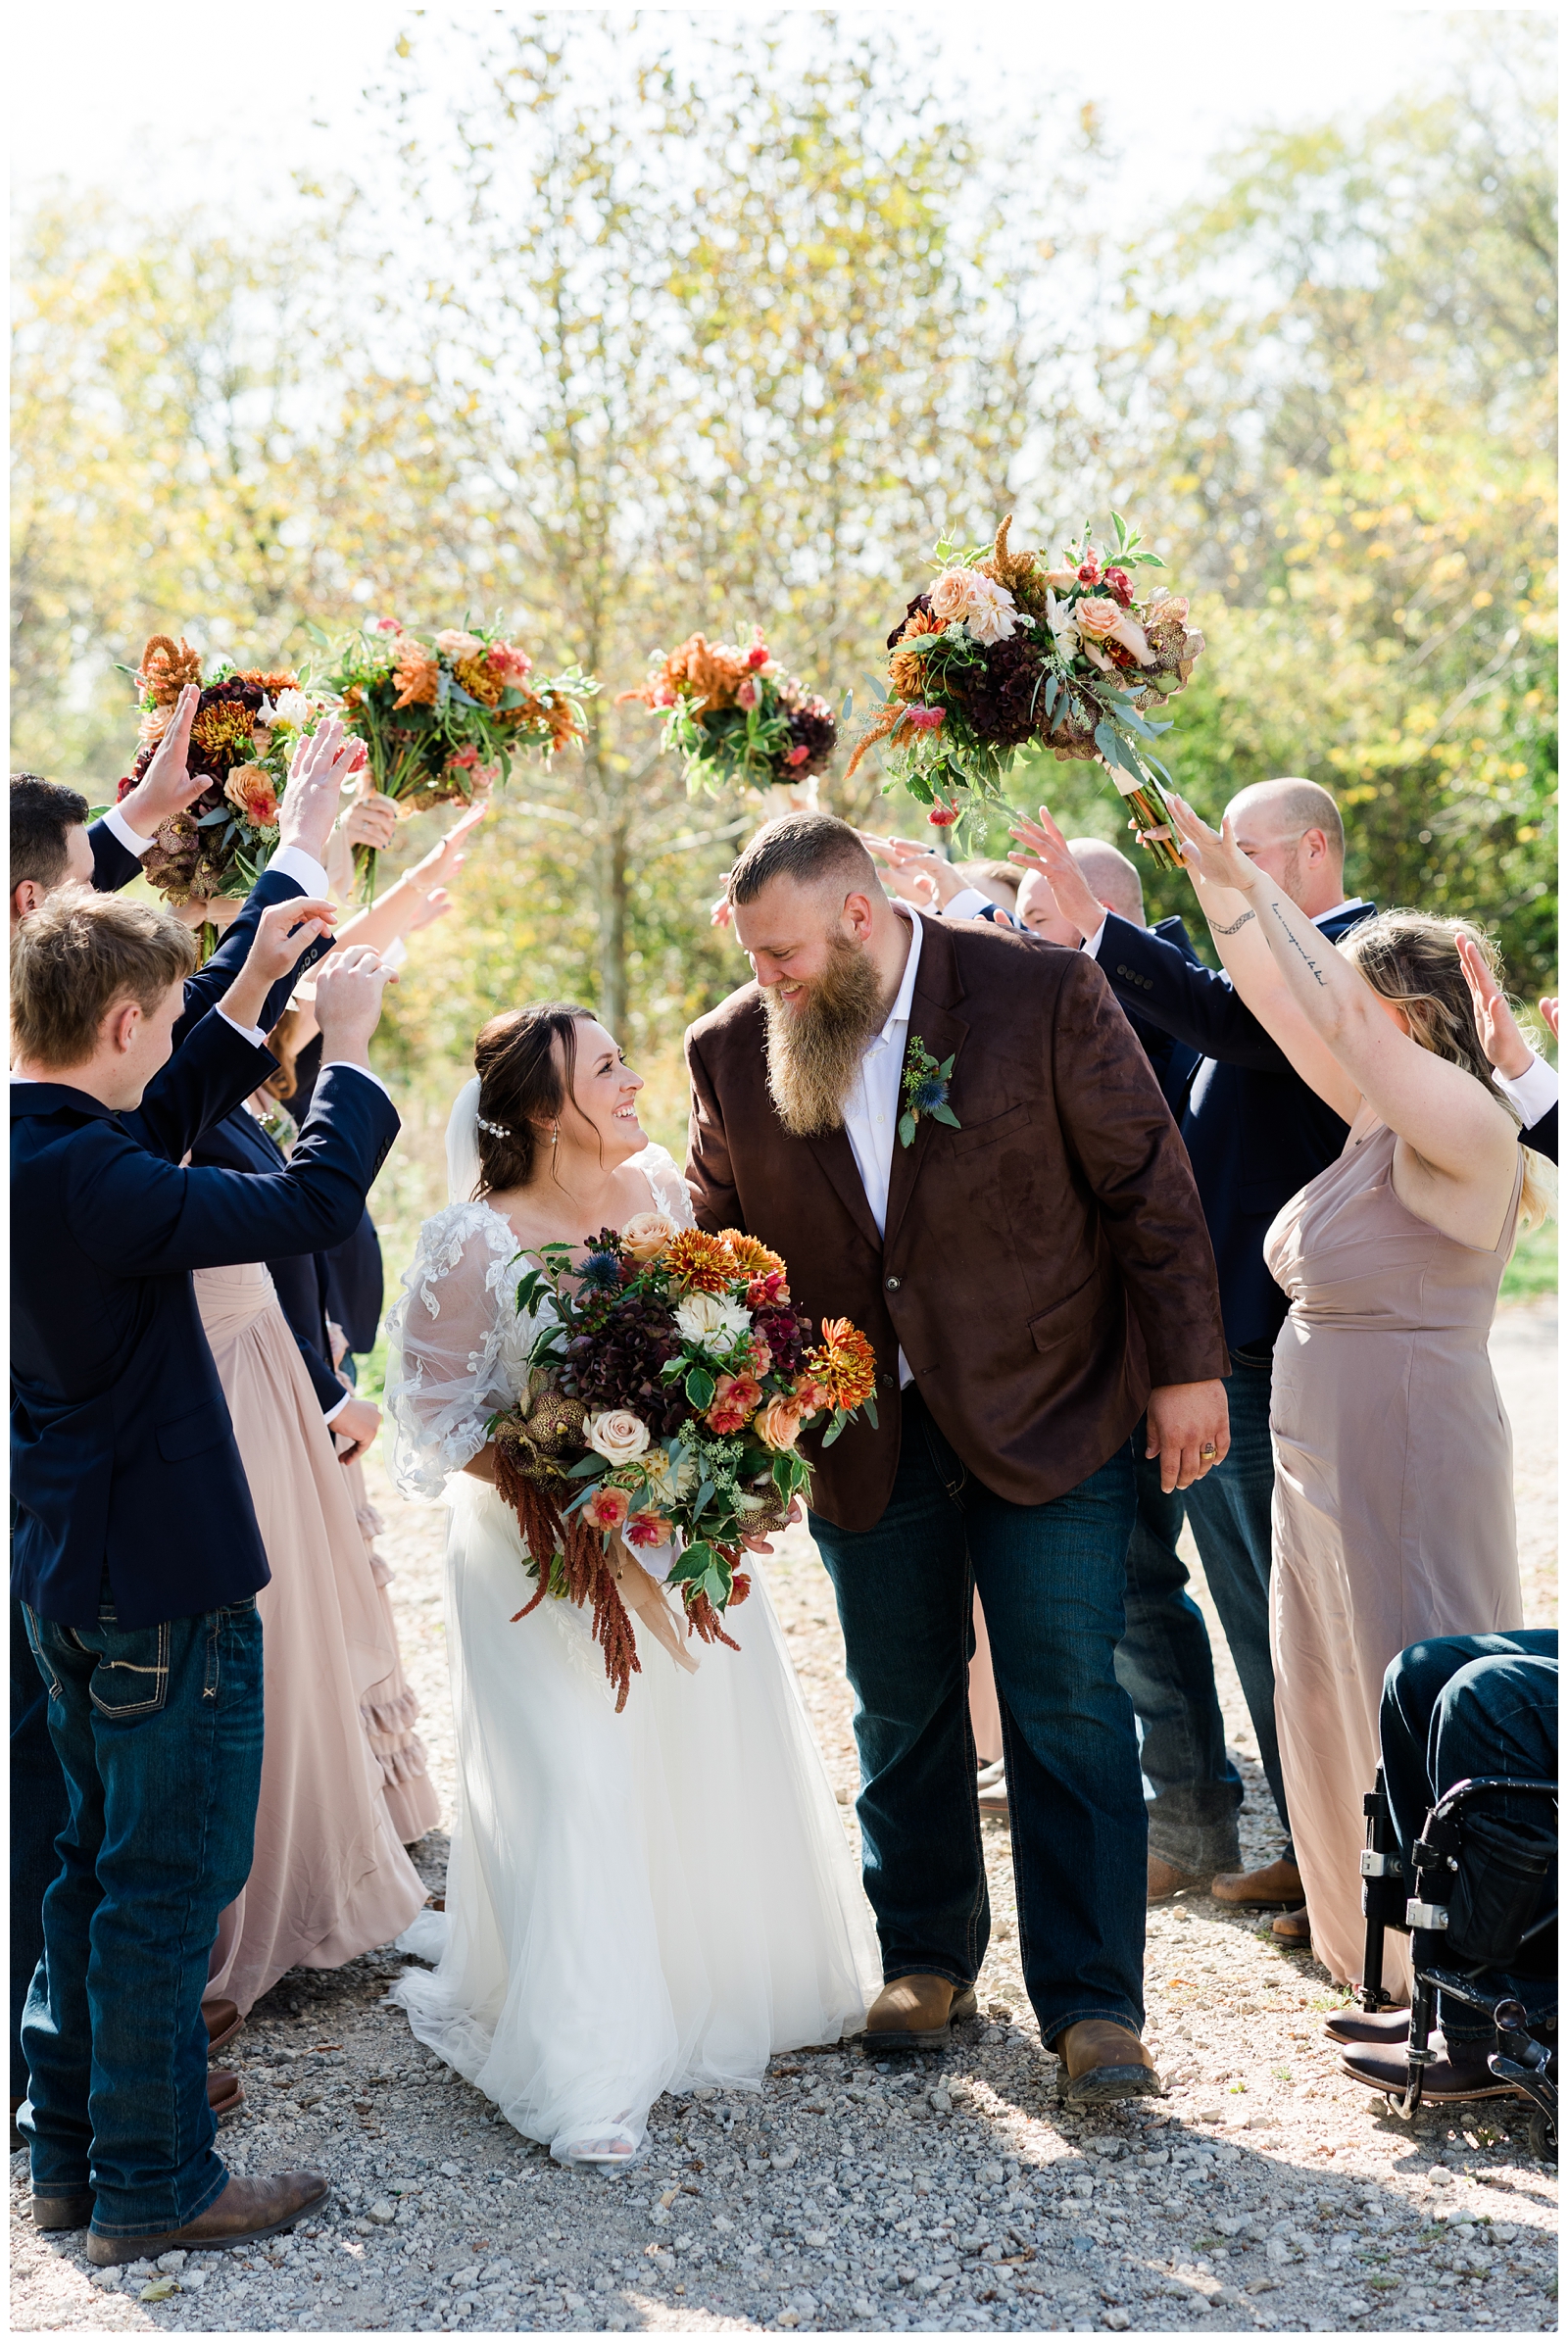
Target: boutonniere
[925, 1090]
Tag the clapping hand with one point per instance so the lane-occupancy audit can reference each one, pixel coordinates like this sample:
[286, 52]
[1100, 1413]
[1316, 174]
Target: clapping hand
[1506, 1046]
[348, 1002]
[1046, 850]
[1549, 1012]
[166, 788]
[284, 933]
[919, 872]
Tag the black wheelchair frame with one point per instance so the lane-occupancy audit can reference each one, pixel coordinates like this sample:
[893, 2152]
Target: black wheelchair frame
[1418, 1908]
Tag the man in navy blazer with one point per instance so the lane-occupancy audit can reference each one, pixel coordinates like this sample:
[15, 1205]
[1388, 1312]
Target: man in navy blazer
[1255, 1133]
[137, 1554]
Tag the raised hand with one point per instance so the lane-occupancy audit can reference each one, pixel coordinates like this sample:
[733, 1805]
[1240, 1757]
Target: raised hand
[322, 761]
[1046, 850]
[718, 911]
[445, 861]
[1499, 1035]
[166, 788]
[1213, 855]
[1549, 1012]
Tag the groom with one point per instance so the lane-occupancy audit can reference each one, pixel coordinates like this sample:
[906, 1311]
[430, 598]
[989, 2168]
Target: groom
[1033, 1280]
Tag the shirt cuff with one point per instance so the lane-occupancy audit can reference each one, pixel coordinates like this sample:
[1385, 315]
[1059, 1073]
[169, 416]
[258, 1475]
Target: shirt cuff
[251, 1033]
[119, 829]
[344, 1066]
[332, 1413]
[967, 904]
[292, 861]
[1532, 1094]
[1091, 943]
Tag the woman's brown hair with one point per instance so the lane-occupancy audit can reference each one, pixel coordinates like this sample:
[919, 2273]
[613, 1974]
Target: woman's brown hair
[523, 1083]
[285, 1044]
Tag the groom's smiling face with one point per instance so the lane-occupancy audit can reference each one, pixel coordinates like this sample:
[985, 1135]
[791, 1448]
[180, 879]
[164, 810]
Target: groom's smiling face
[795, 935]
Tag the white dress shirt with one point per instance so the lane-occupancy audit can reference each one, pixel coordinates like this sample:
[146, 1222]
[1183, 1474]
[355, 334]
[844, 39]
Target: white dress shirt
[872, 1109]
[1532, 1094]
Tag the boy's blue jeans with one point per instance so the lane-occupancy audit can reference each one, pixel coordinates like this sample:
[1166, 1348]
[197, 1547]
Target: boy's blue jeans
[159, 1734]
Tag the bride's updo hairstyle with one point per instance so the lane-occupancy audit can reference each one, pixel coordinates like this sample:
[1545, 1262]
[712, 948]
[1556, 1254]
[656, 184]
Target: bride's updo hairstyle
[523, 1085]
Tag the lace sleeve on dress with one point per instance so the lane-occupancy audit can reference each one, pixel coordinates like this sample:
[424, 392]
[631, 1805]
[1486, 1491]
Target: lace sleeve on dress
[669, 1189]
[443, 1377]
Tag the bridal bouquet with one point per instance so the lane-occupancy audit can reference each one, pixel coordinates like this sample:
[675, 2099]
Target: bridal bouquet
[667, 1390]
[735, 715]
[242, 738]
[1003, 648]
[443, 714]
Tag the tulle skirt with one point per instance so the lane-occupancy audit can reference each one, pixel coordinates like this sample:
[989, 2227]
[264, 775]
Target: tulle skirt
[635, 1903]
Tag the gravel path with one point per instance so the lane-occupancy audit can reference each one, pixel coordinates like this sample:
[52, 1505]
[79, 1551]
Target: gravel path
[1260, 2194]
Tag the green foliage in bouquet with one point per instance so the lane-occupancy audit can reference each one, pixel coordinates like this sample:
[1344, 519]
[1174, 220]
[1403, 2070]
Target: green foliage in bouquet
[735, 715]
[443, 715]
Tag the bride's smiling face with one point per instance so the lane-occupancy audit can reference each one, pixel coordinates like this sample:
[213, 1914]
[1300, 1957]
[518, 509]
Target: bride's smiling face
[604, 1093]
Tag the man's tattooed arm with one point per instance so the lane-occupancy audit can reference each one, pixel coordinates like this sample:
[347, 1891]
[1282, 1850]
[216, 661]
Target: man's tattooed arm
[1318, 977]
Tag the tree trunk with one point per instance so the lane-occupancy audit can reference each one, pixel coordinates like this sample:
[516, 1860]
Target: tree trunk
[611, 874]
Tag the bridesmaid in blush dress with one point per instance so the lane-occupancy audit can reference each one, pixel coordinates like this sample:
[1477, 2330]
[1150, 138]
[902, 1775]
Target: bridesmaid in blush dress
[1393, 1514]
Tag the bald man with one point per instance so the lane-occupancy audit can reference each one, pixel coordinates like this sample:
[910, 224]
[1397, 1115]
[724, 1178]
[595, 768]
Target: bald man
[1255, 1133]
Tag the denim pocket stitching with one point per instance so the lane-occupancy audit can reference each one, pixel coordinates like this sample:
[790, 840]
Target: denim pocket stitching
[212, 1677]
[158, 1674]
[36, 1638]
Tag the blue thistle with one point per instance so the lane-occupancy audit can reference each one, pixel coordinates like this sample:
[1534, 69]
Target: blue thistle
[928, 1095]
[601, 1269]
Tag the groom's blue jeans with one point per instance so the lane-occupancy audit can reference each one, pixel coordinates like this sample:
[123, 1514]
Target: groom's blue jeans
[1050, 1583]
[159, 1734]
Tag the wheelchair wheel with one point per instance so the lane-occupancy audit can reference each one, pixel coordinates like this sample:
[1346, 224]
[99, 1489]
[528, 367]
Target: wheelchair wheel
[1542, 2135]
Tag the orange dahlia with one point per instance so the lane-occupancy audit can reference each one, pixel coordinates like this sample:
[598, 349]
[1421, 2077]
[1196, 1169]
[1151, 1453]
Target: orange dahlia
[702, 1263]
[750, 1258]
[416, 675]
[844, 1365]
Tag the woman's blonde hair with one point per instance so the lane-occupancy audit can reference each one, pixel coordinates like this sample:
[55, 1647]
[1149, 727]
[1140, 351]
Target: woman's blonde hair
[1412, 957]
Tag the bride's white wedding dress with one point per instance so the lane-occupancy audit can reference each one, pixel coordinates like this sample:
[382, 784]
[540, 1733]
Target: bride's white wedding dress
[635, 1903]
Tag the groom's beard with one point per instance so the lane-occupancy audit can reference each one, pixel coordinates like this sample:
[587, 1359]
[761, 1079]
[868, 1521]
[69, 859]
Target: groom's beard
[814, 1051]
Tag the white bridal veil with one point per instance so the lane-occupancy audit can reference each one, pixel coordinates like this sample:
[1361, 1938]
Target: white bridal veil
[463, 1143]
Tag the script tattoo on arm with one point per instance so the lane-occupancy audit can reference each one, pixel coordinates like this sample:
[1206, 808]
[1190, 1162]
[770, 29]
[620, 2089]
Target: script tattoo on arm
[1317, 975]
[1235, 925]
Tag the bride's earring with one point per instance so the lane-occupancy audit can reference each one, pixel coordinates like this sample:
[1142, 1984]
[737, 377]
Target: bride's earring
[555, 1134]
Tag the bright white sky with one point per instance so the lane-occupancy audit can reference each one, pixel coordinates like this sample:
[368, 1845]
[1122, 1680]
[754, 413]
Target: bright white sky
[190, 100]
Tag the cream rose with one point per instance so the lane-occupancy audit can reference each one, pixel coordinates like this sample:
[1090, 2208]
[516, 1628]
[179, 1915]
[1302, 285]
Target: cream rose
[950, 596]
[647, 1234]
[778, 1424]
[619, 1437]
[455, 645]
[1097, 616]
[710, 1321]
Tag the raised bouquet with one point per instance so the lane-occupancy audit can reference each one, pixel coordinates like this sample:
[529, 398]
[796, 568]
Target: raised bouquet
[1002, 649]
[247, 723]
[443, 714]
[735, 715]
[667, 1389]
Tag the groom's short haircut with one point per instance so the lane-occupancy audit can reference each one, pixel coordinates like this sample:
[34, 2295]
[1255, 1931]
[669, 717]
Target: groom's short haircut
[43, 814]
[809, 848]
[75, 957]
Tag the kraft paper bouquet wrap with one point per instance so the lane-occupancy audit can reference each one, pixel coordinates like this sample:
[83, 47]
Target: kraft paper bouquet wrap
[669, 1385]
[1006, 649]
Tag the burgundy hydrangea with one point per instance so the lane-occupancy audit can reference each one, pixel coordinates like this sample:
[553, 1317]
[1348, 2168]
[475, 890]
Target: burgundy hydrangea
[618, 1363]
[814, 727]
[788, 1334]
[996, 696]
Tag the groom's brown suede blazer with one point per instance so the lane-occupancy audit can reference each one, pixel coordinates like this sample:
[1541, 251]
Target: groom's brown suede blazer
[1042, 1266]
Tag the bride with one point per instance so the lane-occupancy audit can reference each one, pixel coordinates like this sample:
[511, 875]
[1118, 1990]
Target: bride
[635, 1903]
